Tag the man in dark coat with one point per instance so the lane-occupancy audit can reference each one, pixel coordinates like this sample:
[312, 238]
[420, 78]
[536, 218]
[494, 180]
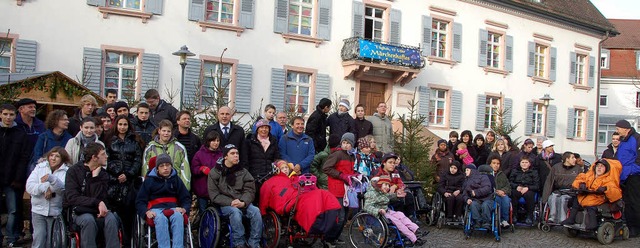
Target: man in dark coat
[612, 148]
[628, 154]
[317, 125]
[362, 126]
[160, 109]
[141, 123]
[341, 122]
[185, 136]
[229, 133]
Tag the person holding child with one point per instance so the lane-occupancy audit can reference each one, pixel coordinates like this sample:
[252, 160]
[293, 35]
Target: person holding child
[463, 154]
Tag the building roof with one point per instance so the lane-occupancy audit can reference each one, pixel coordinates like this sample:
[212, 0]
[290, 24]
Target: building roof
[29, 82]
[629, 37]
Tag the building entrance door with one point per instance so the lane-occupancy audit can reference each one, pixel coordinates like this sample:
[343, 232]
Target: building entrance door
[370, 95]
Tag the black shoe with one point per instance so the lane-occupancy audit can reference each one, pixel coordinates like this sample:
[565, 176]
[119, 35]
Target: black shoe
[328, 245]
[419, 242]
[567, 222]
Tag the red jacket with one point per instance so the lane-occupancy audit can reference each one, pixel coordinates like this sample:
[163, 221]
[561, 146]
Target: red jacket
[312, 204]
[338, 162]
[395, 177]
[277, 194]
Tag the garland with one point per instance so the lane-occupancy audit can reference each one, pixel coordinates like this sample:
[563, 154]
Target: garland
[51, 84]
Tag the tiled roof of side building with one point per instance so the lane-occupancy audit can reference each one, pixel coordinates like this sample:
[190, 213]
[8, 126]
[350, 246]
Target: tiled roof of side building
[629, 37]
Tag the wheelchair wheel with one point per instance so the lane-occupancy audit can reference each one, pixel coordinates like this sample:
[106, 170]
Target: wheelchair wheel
[606, 233]
[271, 230]
[625, 232]
[467, 222]
[497, 220]
[209, 230]
[367, 230]
[436, 203]
[59, 233]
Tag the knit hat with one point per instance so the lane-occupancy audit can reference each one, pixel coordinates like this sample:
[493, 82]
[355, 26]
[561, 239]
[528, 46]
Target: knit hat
[120, 104]
[547, 143]
[334, 140]
[383, 179]
[441, 141]
[388, 156]
[623, 124]
[471, 166]
[324, 102]
[163, 159]
[262, 122]
[227, 148]
[349, 137]
[24, 101]
[345, 103]
[363, 143]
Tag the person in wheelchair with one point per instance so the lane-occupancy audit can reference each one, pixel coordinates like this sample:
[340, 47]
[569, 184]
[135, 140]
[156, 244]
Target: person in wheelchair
[600, 185]
[450, 187]
[560, 177]
[524, 183]
[503, 188]
[377, 200]
[405, 199]
[86, 194]
[477, 192]
[233, 189]
[163, 200]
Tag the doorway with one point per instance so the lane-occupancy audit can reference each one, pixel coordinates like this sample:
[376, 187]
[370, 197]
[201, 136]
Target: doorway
[370, 95]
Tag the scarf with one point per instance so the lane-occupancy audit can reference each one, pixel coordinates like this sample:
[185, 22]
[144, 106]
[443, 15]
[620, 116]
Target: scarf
[229, 174]
[546, 156]
[84, 141]
[264, 142]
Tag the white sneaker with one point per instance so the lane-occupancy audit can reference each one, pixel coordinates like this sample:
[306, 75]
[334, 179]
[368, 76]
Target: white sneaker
[504, 223]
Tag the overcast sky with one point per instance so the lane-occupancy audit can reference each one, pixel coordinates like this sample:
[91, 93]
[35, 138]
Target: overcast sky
[618, 9]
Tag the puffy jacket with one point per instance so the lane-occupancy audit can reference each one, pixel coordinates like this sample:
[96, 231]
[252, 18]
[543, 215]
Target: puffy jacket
[450, 182]
[155, 187]
[561, 177]
[164, 111]
[628, 154]
[544, 165]
[341, 123]
[297, 149]
[203, 158]
[95, 189]
[610, 179]
[442, 160]
[478, 183]
[125, 157]
[316, 167]
[46, 141]
[35, 188]
[256, 159]
[144, 129]
[376, 199]
[338, 162]
[14, 152]
[178, 155]
[227, 184]
[277, 194]
[317, 129]
[366, 164]
[73, 147]
[317, 210]
[382, 132]
[527, 179]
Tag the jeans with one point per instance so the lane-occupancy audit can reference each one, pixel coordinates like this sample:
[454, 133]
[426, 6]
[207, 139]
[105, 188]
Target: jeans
[481, 211]
[334, 233]
[503, 201]
[13, 216]
[89, 230]
[42, 226]
[558, 207]
[162, 228]
[235, 219]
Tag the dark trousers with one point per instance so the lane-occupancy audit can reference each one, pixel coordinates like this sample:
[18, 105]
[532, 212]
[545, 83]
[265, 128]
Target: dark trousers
[454, 205]
[529, 200]
[591, 219]
[333, 234]
[631, 197]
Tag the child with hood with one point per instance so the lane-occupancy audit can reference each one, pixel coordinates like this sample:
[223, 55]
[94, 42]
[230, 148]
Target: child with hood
[476, 192]
[450, 186]
[365, 160]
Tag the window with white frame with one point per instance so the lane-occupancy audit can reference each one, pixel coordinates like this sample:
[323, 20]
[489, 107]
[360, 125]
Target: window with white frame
[439, 32]
[216, 80]
[491, 108]
[539, 60]
[493, 50]
[437, 104]
[581, 63]
[121, 73]
[538, 118]
[297, 92]
[219, 11]
[5, 55]
[300, 16]
[125, 4]
[604, 60]
[373, 23]
[603, 101]
[579, 120]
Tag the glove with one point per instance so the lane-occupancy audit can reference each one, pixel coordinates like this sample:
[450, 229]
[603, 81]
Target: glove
[346, 178]
[205, 170]
[601, 189]
[583, 186]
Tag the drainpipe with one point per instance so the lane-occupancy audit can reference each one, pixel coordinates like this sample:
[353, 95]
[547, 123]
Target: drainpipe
[597, 114]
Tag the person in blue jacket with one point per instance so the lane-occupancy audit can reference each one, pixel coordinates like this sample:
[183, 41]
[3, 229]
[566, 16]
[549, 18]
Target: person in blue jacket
[297, 147]
[629, 157]
[56, 134]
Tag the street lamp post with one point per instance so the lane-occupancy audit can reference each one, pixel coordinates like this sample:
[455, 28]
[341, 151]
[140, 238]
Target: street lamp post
[545, 101]
[183, 53]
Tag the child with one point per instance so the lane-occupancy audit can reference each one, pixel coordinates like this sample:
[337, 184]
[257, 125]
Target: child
[163, 199]
[464, 155]
[377, 199]
[450, 186]
[524, 183]
[203, 161]
[476, 192]
[365, 161]
[503, 188]
[453, 140]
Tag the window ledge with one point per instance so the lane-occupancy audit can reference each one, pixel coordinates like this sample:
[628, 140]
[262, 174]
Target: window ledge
[488, 70]
[124, 12]
[433, 59]
[542, 80]
[227, 27]
[581, 87]
[580, 139]
[288, 37]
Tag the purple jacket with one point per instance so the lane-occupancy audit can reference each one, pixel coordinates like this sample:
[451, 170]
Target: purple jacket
[203, 158]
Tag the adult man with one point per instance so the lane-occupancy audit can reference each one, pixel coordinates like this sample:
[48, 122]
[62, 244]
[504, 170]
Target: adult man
[159, 109]
[111, 95]
[88, 104]
[317, 124]
[363, 127]
[281, 117]
[382, 129]
[229, 133]
[297, 147]
[188, 139]
[612, 148]
[15, 153]
[233, 189]
[630, 177]
[143, 126]
[27, 120]
[86, 193]
[122, 108]
[341, 122]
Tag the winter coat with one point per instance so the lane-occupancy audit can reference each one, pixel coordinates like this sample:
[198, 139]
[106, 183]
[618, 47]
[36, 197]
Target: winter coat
[256, 159]
[75, 122]
[164, 111]
[396, 179]
[297, 149]
[203, 158]
[73, 147]
[37, 127]
[341, 123]
[275, 130]
[316, 167]
[609, 179]
[628, 154]
[236, 135]
[227, 184]
[376, 199]
[442, 160]
[317, 129]
[478, 183]
[37, 189]
[502, 182]
[178, 155]
[79, 176]
[544, 165]
[362, 128]
[144, 129]
[366, 164]
[382, 132]
[338, 162]
[514, 162]
[125, 157]
[155, 187]
[560, 177]
[450, 182]
[527, 179]
[190, 141]
[505, 167]
[610, 152]
[14, 152]
[277, 194]
[481, 155]
[47, 141]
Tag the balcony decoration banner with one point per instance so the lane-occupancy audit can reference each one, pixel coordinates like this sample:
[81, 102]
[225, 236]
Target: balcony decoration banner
[390, 54]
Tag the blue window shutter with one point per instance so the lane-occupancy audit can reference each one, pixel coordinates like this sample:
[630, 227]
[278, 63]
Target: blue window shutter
[508, 111]
[153, 6]
[456, 109]
[528, 119]
[608, 56]
[480, 112]
[592, 71]
[93, 67]
[552, 65]
[323, 82]
[280, 24]
[278, 77]
[358, 19]
[324, 19]
[244, 82]
[150, 72]
[572, 70]
[552, 111]
[192, 73]
[395, 17]
[247, 9]
[26, 53]
[482, 54]
[508, 61]
[423, 103]
[590, 121]
[571, 122]
[531, 64]
[426, 35]
[196, 10]
[456, 51]
[97, 3]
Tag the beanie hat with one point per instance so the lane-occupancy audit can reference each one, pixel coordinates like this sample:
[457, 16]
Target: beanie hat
[345, 103]
[363, 143]
[623, 124]
[262, 122]
[349, 137]
[163, 159]
[324, 102]
[119, 105]
[383, 179]
[227, 148]
[441, 141]
[334, 140]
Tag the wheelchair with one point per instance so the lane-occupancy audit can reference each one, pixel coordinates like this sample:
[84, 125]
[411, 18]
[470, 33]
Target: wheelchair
[284, 231]
[367, 230]
[521, 212]
[544, 223]
[215, 230]
[144, 236]
[439, 210]
[610, 223]
[495, 229]
[65, 233]
[421, 206]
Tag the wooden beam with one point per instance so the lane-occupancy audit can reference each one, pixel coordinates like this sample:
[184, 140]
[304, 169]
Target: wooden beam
[399, 77]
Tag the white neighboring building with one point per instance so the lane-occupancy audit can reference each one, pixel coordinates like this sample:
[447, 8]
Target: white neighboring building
[481, 55]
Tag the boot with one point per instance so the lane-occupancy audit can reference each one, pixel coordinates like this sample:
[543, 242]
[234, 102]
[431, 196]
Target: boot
[571, 219]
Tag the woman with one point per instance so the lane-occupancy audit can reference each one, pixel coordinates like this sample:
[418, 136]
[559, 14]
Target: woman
[124, 150]
[56, 134]
[467, 137]
[500, 149]
[524, 183]
[442, 158]
[490, 138]
[164, 142]
[87, 135]
[203, 161]
[482, 153]
[259, 152]
[46, 187]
